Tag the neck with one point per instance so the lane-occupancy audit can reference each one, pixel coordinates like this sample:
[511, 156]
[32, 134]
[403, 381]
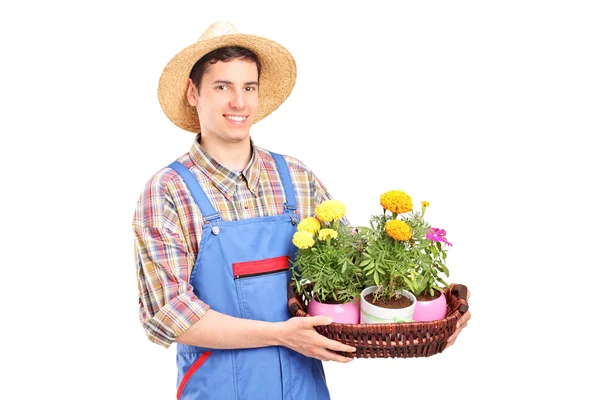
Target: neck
[232, 155]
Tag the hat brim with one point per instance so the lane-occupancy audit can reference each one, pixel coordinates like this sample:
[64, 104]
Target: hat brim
[277, 77]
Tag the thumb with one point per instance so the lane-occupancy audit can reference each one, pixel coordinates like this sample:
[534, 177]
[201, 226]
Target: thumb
[320, 320]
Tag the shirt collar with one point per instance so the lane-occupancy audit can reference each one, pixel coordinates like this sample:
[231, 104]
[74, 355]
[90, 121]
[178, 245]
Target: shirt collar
[223, 178]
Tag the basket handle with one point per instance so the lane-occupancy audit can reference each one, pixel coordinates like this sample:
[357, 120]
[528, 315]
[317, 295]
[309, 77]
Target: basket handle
[461, 291]
[294, 305]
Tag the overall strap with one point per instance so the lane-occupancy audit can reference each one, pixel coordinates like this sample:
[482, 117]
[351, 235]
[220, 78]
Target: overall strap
[290, 197]
[209, 213]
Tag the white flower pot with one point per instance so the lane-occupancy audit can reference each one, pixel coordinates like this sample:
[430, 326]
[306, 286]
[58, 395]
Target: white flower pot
[371, 314]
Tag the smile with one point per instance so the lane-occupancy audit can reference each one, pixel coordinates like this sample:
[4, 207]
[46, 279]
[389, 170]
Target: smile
[236, 118]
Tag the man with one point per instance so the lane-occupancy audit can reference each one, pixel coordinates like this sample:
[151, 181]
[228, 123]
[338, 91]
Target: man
[213, 231]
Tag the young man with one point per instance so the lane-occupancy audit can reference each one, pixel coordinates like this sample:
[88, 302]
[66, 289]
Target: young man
[213, 231]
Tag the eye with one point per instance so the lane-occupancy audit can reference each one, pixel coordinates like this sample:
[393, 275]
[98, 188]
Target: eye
[221, 87]
[250, 88]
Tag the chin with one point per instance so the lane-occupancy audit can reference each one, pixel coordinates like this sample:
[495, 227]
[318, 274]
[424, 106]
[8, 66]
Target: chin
[237, 136]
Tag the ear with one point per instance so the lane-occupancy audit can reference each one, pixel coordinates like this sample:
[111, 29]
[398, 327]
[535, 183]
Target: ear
[192, 93]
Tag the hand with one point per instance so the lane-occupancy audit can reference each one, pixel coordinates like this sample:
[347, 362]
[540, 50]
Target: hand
[462, 322]
[299, 334]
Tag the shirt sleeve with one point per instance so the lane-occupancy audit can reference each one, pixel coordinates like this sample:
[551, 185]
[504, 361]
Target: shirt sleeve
[320, 193]
[164, 261]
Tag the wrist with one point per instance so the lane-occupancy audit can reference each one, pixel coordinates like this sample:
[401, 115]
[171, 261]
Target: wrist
[274, 334]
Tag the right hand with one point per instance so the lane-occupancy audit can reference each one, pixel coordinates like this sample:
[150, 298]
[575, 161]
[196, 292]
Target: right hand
[299, 334]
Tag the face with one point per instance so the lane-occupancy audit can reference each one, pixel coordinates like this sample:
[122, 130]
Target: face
[228, 100]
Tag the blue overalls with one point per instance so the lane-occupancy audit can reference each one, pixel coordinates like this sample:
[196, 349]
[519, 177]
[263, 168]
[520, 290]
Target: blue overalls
[242, 270]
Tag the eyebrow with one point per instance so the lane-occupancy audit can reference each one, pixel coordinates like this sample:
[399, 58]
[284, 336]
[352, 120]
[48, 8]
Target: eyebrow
[231, 83]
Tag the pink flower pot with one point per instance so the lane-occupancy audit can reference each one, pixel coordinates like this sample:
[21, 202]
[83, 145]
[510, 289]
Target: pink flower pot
[430, 310]
[348, 313]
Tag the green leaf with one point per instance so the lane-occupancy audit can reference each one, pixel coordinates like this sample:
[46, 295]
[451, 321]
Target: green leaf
[422, 284]
[444, 269]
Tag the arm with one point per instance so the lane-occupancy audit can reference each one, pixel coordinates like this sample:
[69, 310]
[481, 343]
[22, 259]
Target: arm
[221, 331]
[164, 260]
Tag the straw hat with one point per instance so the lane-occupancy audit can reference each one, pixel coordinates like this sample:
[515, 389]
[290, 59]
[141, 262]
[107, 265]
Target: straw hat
[277, 77]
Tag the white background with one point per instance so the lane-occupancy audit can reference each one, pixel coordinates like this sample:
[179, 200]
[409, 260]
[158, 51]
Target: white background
[488, 110]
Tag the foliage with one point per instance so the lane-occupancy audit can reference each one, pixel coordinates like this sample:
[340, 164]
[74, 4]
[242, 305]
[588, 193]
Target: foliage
[403, 250]
[328, 256]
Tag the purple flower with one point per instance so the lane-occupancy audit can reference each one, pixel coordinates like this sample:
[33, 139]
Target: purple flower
[437, 235]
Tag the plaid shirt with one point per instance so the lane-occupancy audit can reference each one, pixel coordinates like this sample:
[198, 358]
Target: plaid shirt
[167, 226]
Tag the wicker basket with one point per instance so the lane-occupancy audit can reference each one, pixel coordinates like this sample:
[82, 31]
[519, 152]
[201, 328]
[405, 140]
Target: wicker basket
[403, 340]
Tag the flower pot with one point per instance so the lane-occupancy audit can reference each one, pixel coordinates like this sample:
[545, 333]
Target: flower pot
[347, 313]
[372, 314]
[430, 310]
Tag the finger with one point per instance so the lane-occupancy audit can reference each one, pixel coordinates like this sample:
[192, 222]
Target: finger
[337, 346]
[459, 327]
[463, 320]
[452, 338]
[450, 342]
[331, 356]
[467, 316]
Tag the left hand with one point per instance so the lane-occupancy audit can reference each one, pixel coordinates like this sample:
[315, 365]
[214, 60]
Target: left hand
[462, 322]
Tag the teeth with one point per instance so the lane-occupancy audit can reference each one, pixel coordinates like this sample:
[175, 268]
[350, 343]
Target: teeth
[236, 118]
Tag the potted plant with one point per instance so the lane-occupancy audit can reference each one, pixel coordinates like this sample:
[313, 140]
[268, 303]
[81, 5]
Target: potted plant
[325, 268]
[426, 266]
[388, 259]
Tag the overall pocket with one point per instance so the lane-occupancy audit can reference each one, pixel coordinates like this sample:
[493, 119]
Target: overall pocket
[261, 288]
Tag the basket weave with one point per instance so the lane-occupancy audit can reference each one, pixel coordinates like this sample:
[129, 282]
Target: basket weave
[394, 340]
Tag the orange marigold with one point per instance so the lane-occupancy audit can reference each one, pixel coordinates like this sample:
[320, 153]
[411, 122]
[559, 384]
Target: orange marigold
[398, 230]
[396, 201]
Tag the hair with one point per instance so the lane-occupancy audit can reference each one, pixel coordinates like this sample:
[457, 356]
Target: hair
[222, 54]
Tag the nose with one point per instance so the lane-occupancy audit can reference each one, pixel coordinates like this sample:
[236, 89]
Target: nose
[237, 99]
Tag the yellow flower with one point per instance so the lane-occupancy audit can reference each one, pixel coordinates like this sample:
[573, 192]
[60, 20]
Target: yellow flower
[325, 234]
[399, 230]
[303, 239]
[309, 224]
[330, 210]
[425, 204]
[396, 201]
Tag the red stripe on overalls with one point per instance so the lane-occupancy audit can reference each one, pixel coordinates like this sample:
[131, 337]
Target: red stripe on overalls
[197, 364]
[260, 266]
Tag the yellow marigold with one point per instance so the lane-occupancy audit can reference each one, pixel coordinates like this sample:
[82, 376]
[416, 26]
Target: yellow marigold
[399, 230]
[327, 233]
[396, 201]
[425, 204]
[303, 239]
[309, 224]
[330, 210]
